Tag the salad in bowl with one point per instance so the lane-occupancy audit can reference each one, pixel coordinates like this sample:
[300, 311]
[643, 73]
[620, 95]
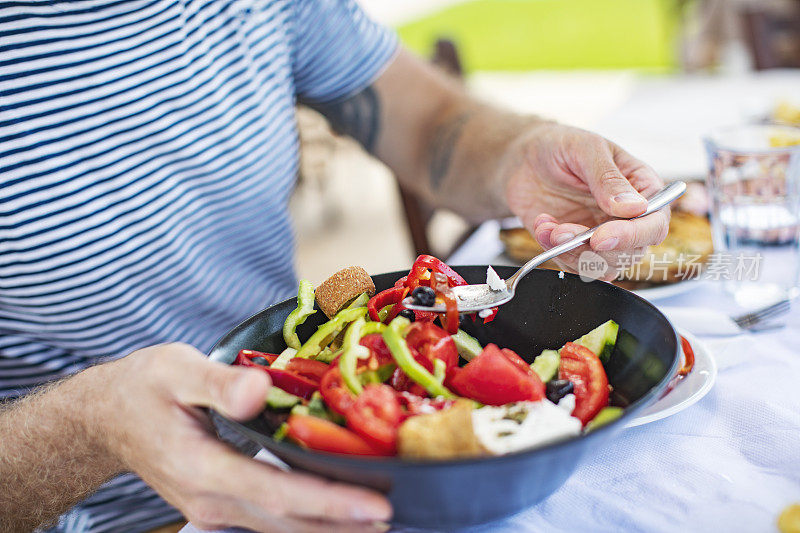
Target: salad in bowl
[378, 379]
[453, 439]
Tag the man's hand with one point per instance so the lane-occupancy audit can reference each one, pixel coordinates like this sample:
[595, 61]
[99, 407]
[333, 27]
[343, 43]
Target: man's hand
[141, 413]
[561, 181]
[158, 432]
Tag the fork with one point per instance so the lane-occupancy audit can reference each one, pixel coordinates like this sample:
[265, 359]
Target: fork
[755, 320]
[705, 321]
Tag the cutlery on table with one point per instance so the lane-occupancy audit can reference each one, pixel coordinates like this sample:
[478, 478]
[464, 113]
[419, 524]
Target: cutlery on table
[712, 322]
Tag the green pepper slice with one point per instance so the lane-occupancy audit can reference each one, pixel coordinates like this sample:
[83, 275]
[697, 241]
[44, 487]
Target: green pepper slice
[328, 331]
[352, 351]
[305, 308]
[348, 361]
[393, 336]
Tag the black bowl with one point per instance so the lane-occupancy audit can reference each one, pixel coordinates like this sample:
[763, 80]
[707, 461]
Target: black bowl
[546, 312]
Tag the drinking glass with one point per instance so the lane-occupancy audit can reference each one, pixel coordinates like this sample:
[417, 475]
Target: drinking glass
[754, 187]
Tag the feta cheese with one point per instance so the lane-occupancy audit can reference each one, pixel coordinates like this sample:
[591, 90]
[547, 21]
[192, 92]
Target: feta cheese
[483, 313]
[567, 403]
[522, 425]
[560, 274]
[494, 281]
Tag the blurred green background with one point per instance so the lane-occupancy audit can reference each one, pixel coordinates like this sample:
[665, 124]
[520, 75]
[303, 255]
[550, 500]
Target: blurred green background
[554, 34]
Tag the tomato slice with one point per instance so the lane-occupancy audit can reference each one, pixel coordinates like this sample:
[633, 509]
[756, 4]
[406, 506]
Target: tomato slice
[402, 383]
[518, 361]
[432, 342]
[375, 416]
[493, 378]
[308, 368]
[325, 436]
[584, 369]
[335, 393]
[427, 342]
[378, 350]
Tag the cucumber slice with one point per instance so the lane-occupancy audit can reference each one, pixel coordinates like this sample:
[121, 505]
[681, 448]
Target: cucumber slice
[605, 416]
[468, 346]
[280, 399]
[601, 340]
[546, 365]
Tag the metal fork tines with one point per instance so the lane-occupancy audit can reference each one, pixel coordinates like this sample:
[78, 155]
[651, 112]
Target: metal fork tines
[755, 318]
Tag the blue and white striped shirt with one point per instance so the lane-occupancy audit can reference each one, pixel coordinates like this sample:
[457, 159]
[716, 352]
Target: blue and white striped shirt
[148, 149]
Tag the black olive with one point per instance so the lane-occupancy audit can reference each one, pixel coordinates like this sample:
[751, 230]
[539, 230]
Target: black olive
[261, 361]
[423, 296]
[408, 313]
[558, 388]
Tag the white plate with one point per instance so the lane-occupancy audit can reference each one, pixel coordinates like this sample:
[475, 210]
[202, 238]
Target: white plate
[688, 390]
[665, 291]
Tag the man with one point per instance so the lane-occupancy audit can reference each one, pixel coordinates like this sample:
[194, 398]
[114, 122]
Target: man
[147, 153]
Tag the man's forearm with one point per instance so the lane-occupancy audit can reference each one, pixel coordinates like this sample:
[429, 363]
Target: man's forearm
[52, 452]
[439, 142]
[468, 150]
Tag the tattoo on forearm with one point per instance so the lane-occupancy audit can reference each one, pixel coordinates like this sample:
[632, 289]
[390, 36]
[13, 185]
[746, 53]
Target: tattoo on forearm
[442, 146]
[357, 116]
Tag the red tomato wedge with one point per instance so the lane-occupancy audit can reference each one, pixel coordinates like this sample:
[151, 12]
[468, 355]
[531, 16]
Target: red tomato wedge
[432, 342]
[308, 368]
[584, 369]
[378, 349]
[518, 361]
[375, 416]
[402, 383]
[325, 436]
[335, 393]
[427, 342]
[495, 378]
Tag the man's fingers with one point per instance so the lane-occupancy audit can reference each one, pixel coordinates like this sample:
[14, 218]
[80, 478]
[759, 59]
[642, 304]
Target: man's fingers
[564, 232]
[611, 189]
[291, 493]
[330, 500]
[622, 235]
[235, 392]
[221, 512]
[224, 513]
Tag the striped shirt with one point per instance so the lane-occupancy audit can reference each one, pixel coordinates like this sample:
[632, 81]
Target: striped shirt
[148, 149]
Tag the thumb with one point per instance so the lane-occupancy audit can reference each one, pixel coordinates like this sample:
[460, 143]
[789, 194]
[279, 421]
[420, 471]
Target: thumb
[236, 392]
[611, 189]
